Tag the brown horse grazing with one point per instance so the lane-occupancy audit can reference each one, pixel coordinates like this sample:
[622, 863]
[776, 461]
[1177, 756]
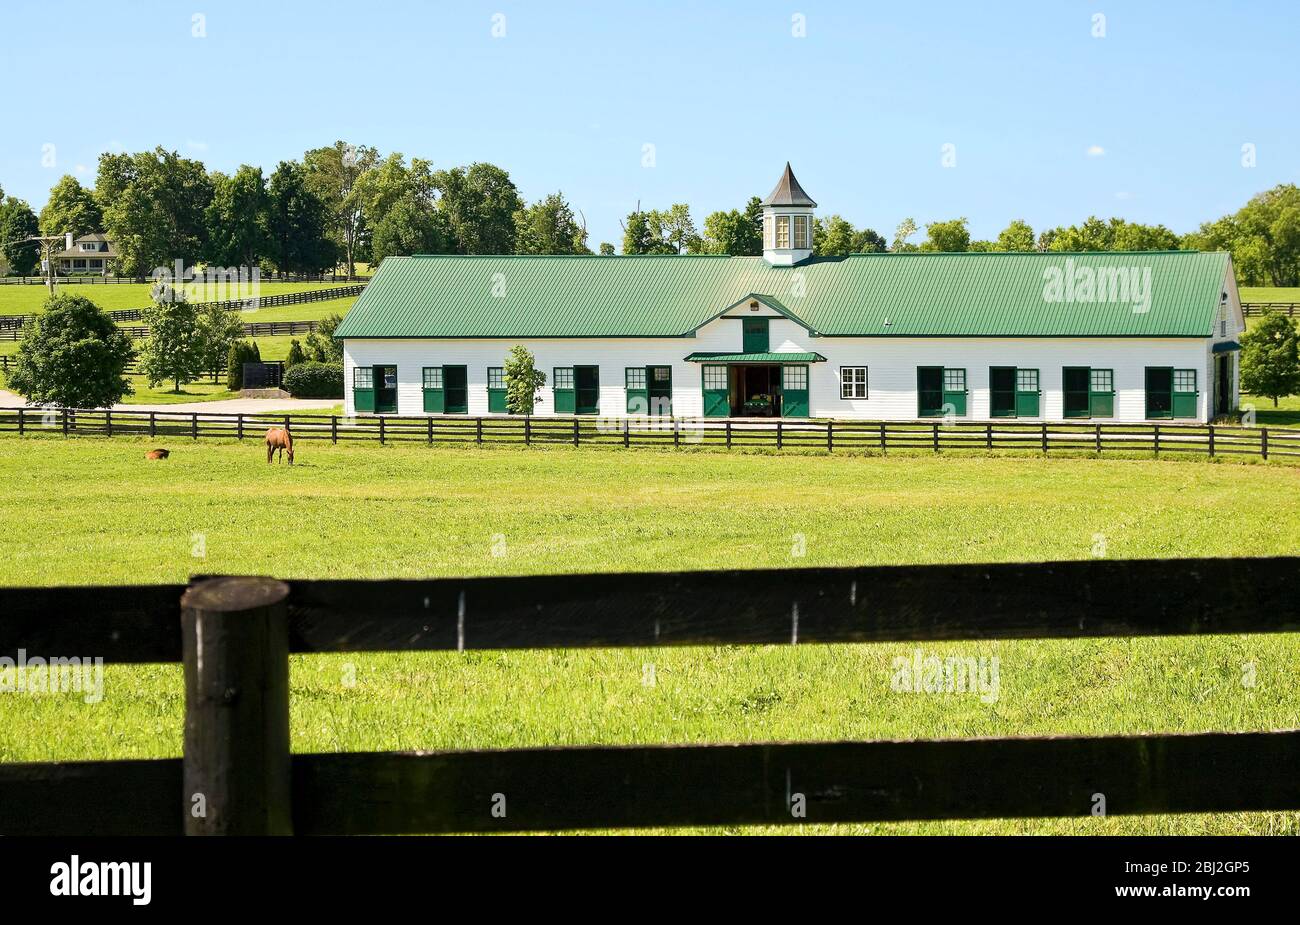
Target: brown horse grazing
[157, 454]
[277, 438]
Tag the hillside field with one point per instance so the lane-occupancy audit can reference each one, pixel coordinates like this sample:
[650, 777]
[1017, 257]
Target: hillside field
[22, 300]
[92, 510]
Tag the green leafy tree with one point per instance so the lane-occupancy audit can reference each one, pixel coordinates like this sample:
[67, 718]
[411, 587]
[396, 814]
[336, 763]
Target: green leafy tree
[833, 236]
[240, 352]
[154, 205]
[734, 232]
[72, 356]
[71, 207]
[982, 247]
[411, 226]
[296, 354]
[1133, 236]
[524, 381]
[1270, 357]
[298, 223]
[218, 330]
[238, 219]
[173, 350]
[1092, 235]
[674, 229]
[480, 202]
[606, 249]
[636, 234]
[338, 176]
[18, 222]
[549, 226]
[951, 237]
[868, 241]
[1263, 237]
[1016, 237]
[906, 228]
[322, 344]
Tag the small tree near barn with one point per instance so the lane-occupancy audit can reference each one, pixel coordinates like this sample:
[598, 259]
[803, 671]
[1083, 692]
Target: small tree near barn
[524, 381]
[72, 356]
[218, 330]
[1270, 357]
[174, 349]
[241, 352]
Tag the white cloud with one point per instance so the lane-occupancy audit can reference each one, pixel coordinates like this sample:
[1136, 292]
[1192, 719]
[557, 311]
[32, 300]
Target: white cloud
[1096, 151]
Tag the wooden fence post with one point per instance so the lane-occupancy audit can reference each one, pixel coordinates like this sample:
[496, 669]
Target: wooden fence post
[528, 430]
[830, 436]
[194, 425]
[728, 433]
[108, 422]
[1211, 439]
[1098, 426]
[478, 430]
[988, 437]
[381, 429]
[936, 437]
[627, 432]
[884, 446]
[1156, 438]
[235, 651]
[1044, 438]
[575, 430]
[778, 435]
[20, 422]
[1263, 442]
[429, 421]
[64, 414]
[677, 434]
[334, 428]
[153, 424]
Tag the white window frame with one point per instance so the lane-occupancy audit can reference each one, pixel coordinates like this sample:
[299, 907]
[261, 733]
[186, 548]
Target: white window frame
[851, 383]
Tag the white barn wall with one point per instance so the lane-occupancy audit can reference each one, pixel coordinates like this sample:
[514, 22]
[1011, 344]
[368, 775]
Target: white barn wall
[891, 367]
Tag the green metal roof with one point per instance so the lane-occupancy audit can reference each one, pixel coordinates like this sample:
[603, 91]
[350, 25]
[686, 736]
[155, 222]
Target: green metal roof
[756, 358]
[862, 295]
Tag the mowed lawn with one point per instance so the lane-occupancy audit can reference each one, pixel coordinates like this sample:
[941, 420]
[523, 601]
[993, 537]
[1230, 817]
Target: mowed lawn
[93, 510]
[23, 300]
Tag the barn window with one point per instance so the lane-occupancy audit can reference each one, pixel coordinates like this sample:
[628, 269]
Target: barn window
[853, 382]
[363, 377]
[433, 377]
[783, 231]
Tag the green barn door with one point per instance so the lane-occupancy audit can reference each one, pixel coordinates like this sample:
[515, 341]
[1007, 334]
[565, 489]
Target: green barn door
[1160, 392]
[1002, 391]
[929, 391]
[659, 384]
[562, 386]
[638, 396]
[586, 389]
[496, 390]
[754, 338]
[456, 383]
[1075, 388]
[386, 389]
[1186, 395]
[363, 388]
[1101, 393]
[435, 398]
[717, 397]
[1027, 393]
[954, 390]
[794, 391]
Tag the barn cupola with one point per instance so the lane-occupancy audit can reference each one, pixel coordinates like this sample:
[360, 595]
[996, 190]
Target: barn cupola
[787, 222]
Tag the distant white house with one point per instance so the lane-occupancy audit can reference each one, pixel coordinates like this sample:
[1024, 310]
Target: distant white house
[90, 254]
[1035, 336]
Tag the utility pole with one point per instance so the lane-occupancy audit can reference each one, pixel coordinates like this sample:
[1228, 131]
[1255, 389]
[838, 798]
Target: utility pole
[49, 247]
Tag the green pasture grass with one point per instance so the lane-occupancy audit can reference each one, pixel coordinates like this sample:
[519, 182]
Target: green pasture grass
[1286, 414]
[1269, 293]
[307, 311]
[108, 516]
[22, 300]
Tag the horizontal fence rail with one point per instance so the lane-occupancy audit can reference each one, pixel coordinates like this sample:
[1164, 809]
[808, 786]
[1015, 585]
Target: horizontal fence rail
[829, 436]
[14, 323]
[131, 369]
[97, 279]
[235, 634]
[1258, 308]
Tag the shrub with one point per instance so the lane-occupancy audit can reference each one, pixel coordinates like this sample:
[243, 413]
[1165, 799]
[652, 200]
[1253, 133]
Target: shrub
[296, 354]
[241, 352]
[314, 380]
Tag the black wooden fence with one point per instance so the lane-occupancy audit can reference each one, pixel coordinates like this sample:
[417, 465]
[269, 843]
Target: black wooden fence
[133, 368]
[827, 436]
[234, 637]
[11, 325]
[1257, 308]
[96, 279]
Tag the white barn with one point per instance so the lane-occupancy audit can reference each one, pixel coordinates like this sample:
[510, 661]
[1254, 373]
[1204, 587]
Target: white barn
[1037, 336]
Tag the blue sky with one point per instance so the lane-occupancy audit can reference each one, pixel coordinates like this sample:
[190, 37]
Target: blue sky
[862, 105]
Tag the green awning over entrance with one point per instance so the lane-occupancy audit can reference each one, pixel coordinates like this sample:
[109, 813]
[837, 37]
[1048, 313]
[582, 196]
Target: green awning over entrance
[756, 358]
[1226, 346]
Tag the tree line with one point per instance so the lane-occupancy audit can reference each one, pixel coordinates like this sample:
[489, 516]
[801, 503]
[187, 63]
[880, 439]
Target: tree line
[344, 204]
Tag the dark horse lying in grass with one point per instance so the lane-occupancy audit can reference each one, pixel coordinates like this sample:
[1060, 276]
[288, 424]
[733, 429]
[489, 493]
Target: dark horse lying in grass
[277, 438]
